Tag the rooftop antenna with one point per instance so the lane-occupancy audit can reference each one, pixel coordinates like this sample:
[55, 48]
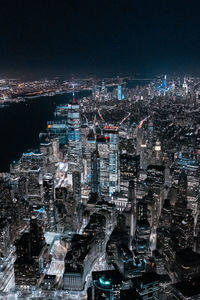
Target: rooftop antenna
[165, 84]
[73, 93]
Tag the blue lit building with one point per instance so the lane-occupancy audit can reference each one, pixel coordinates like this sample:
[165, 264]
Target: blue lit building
[119, 92]
[163, 88]
[120, 96]
[114, 176]
[105, 177]
[74, 136]
[60, 129]
[73, 117]
[106, 285]
[95, 172]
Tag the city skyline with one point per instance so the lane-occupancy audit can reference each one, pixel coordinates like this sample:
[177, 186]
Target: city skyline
[106, 203]
[100, 150]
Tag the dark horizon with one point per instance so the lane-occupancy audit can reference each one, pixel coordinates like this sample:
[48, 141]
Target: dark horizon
[99, 37]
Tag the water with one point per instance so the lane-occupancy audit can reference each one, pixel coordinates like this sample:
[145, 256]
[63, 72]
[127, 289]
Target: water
[21, 123]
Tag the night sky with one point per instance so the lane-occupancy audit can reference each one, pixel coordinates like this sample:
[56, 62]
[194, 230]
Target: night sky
[62, 37]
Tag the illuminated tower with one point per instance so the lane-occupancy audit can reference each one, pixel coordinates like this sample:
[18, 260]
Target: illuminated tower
[112, 134]
[157, 154]
[173, 86]
[103, 87]
[34, 186]
[77, 214]
[132, 199]
[185, 86]
[7, 258]
[95, 172]
[90, 148]
[76, 179]
[48, 187]
[119, 92]
[182, 189]
[74, 137]
[150, 132]
[101, 158]
[165, 84]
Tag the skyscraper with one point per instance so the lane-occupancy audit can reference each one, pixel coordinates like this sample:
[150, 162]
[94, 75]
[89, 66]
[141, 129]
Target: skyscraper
[95, 172]
[103, 152]
[112, 133]
[119, 92]
[48, 187]
[7, 257]
[74, 136]
[76, 179]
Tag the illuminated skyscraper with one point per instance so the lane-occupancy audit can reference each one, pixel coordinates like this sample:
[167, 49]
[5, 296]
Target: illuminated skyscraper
[95, 172]
[192, 169]
[165, 84]
[74, 136]
[157, 153]
[7, 258]
[106, 177]
[119, 92]
[48, 187]
[34, 186]
[103, 152]
[90, 148]
[132, 199]
[112, 134]
[76, 179]
[58, 127]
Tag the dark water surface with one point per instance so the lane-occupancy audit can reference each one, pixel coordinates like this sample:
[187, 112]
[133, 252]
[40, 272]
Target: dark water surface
[21, 123]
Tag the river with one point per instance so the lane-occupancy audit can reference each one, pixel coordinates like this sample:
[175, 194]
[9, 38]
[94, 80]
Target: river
[21, 123]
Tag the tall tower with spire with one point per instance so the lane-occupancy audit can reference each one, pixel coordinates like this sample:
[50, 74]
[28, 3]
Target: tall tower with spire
[73, 93]
[132, 199]
[165, 84]
[74, 136]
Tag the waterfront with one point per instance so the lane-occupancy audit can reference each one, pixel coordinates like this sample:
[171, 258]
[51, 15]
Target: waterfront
[21, 123]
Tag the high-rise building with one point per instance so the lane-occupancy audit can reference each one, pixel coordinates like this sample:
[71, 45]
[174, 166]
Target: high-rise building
[182, 190]
[74, 136]
[106, 285]
[7, 258]
[76, 178]
[119, 92]
[49, 197]
[57, 128]
[192, 170]
[31, 256]
[90, 148]
[187, 289]
[155, 183]
[129, 170]
[103, 152]
[34, 186]
[112, 133]
[147, 286]
[157, 154]
[95, 172]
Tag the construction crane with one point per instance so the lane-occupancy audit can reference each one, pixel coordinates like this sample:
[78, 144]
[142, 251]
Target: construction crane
[85, 118]
[141, 122]
[100, 115]
[124, 119]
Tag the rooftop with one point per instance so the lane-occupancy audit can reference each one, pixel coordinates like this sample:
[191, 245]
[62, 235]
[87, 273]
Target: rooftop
[188, 288]
[188, 258]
